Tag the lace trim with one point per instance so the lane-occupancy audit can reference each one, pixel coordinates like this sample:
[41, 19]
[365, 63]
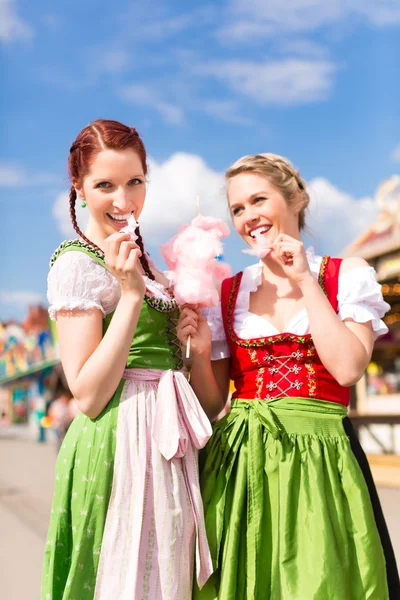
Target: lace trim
[363, 313]
[73, 303]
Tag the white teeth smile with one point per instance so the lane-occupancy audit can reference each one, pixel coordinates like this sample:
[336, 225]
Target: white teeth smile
[119, 217]
[260, 231]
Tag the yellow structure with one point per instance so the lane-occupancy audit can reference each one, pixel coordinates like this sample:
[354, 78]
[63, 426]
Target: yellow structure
[377, 398]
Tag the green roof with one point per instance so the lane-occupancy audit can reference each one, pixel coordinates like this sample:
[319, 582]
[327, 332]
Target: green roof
[40, 366]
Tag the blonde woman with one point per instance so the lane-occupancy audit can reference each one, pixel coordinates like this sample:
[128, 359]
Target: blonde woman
[288, 512]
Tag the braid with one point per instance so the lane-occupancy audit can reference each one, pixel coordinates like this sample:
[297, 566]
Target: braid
[288, 170]
[72, 201]
[285, 168]
[143, 259]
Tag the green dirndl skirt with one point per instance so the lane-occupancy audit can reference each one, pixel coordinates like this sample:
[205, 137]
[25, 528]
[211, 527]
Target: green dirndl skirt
[288, 513]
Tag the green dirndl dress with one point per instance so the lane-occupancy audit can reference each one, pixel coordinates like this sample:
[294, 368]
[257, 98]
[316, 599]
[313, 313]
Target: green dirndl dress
[127, 514]
[288, 513]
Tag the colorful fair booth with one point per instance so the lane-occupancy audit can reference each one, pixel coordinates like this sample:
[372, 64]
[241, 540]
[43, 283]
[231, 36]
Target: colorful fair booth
[30, 369]
[376, 403]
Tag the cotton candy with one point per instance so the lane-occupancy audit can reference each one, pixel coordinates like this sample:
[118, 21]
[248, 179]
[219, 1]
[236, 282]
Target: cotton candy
[191, 259]
[131, 228]
[261, 249]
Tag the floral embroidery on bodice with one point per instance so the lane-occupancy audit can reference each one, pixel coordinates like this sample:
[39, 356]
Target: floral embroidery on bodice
[284, 364]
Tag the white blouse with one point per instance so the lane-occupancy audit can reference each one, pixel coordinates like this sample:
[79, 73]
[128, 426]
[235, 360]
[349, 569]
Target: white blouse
[359, 298]
[77, 281]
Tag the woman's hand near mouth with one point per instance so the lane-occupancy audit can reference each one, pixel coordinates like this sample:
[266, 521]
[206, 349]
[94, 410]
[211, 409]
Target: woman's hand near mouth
[292, 257]
[122, 258]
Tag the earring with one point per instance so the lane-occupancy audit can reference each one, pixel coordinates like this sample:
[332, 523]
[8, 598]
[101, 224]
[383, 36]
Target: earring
[83, 204]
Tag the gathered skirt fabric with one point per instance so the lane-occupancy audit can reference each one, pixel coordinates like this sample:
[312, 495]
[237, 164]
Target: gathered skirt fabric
[124, 517]
[392, 573]
[288, 513]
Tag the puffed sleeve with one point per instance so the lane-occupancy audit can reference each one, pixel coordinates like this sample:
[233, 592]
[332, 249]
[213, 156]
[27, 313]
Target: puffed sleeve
[77, 281]
[360, 299]
[220, 347]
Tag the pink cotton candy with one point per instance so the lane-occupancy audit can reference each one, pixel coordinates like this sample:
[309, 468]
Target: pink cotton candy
[222, 271]
[262, 247]
[191, 259]
[211, 224]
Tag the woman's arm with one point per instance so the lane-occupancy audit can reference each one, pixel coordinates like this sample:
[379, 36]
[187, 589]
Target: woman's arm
[94, 364]
[344, 347]
[209, 379]
[210, 382]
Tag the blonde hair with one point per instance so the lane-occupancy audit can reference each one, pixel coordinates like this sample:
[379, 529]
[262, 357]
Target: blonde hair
[281, 173]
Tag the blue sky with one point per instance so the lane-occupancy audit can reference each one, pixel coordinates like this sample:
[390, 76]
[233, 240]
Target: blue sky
[204, 84]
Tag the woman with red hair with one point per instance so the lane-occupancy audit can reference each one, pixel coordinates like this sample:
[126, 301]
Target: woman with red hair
[127, 513]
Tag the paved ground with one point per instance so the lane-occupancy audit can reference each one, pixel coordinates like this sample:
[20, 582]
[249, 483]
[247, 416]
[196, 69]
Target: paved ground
[26, 483]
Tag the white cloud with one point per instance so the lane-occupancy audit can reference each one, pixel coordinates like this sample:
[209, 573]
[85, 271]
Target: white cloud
[395, 154]
[22, 299]
[335, 217]
[298, 15]
[156, 97]
[160, 29]
[381, 13]
[300, 47]
[12, 27]
[106, 60]
[173, 189]
[148, 96]
[255, 19]
[10, 176]
[243, 31]
[226, 111]
[15, 176]
[288, 81]
[159, 24]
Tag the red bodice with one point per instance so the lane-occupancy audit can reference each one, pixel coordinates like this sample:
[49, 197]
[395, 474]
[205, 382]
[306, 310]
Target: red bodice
[284, 364]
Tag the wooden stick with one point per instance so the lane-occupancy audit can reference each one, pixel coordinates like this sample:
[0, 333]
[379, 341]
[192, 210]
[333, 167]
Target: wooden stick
[197, 214]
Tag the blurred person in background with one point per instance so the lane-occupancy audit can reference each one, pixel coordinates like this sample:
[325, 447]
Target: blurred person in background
[61, 413]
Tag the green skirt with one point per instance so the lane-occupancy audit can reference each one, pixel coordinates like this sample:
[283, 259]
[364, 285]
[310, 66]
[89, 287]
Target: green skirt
[288, 513]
